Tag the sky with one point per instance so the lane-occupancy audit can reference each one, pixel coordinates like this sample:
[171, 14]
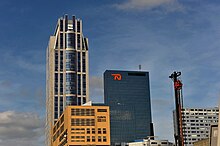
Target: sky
[160, 35]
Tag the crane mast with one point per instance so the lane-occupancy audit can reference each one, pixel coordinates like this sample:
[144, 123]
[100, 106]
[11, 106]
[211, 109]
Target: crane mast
[178, 134]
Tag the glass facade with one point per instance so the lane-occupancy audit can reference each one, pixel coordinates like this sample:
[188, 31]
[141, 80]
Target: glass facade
[127, 93]
[70, 65]
[70, 60]
[70, 40]
[70, 83]
[71, 100]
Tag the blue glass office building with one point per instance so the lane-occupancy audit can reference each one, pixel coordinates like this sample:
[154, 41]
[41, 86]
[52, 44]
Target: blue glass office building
[127, 93]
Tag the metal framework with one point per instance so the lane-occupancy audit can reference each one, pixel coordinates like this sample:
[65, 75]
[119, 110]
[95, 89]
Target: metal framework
[179, 139]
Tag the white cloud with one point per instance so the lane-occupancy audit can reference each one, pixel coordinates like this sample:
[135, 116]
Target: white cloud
[30, 60]
[170, 5]
[30, 66]
[17, 127]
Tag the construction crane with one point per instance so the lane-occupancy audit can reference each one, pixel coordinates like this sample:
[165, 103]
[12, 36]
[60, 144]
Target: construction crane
[178, 134]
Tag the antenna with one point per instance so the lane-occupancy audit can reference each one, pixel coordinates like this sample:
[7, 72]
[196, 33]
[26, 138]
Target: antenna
[139, 66]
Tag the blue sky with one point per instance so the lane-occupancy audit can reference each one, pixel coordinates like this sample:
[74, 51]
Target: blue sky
[161, 35]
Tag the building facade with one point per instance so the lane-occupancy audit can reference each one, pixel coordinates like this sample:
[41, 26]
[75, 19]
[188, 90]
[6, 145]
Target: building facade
[213, 137]
[127, 93]
[82, 126]
[151, 142]
[196, 123]
[203, 142]
[67, 70]
[218, 138]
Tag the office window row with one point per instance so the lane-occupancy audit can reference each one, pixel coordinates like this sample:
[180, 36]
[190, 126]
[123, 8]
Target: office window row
[88, 139]
[93, 131]
[88, 131]
[83, 112]
[82, 122]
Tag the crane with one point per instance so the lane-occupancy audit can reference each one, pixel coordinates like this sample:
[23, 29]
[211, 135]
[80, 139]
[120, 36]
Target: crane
[178, 134]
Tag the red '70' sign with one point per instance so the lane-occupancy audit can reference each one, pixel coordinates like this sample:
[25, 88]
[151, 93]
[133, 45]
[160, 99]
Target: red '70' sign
[117, 76]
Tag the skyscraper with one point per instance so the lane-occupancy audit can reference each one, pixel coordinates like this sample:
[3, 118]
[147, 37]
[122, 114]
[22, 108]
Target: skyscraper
[127, 93]
[67, 70]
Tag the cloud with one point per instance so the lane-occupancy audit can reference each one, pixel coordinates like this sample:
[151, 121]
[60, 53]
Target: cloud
[29, 60]
[32, 97]
[169, 5]
[17, 128]
[30, 66]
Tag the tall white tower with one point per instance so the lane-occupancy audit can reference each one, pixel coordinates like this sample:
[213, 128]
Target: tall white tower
[67, 80]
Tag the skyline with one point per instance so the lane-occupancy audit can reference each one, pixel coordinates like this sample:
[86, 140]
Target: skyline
[162, 36]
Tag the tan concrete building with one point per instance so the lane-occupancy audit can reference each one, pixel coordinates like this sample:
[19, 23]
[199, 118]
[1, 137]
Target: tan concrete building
[82, 126]
[151, 142]
[218, 138]
[213, 138]
[197, 123]
[203, 142]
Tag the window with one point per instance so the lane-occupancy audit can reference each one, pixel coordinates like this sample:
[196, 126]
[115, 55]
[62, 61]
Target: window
[71, 100]
[56, 107]
[102, 110]
[61, 40]
[70, 83]
[61, 25]
[56, 83]
[61, 60]
[83, 44]
[93, 138]
[84, 84]
[79, 101]
[84, 100]
[61, 105]
[79, 62]
[56, 60]
[82, 112]
[61, 83]
[70, 38]
[84, 61]
[93, 130]
[136, 74]
[88, 138]
[104, 139]
[99, 139]
[79, 84]
[104, 130]
[78, 26]
[78, 41]
[99, 131]
[70, 60]
[88, 131]
[101, 118]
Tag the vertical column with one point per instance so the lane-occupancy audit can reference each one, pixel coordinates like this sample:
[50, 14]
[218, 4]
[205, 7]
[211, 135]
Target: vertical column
[74, 23]
[218, 144]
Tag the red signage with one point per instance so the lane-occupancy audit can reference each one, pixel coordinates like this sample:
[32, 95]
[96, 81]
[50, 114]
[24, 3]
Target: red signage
[178, 85]
[117, 77]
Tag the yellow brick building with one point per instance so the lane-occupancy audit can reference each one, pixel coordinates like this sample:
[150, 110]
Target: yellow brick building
[82, 126]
